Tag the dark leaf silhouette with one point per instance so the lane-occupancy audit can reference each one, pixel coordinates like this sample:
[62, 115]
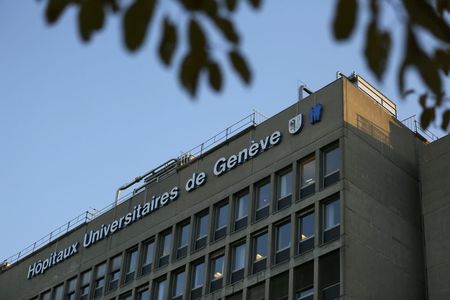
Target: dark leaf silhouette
[90, 18]
[136, 23]
[255, 3]
[168, 41]
[442, 59]
[423, 100]
[378, 45]
[445, 119]
[345, 18]
[55, 9]
[227, 28]
[231, 4]
[240, 66]
[442, 6]
[197, 38]
[215, 76]
[428, 115]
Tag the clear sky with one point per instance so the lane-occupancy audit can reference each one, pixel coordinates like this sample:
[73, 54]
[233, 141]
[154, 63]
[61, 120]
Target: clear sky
[77, 121]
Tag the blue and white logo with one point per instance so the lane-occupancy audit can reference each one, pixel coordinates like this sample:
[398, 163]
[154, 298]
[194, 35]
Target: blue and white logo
[315, 113]
[295, 124]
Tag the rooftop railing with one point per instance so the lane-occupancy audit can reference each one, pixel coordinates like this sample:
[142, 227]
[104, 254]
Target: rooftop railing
[138, 185]
[415, 127]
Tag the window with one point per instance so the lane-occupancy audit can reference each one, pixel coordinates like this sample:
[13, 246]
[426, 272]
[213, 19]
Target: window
[201, 230]
[58, 292]
[178, 285]
[183, 239]
[329, 281]
[331, 220]
[306, 232]
[46, 295]
[165, 246]
[240, 211]
[221, 220]
[160, 289]
[262, 199]
[197, 281]
[307, 177]
[114, 273]
[279, 287]
[283, 242]
[304, 281]
[131, 264]
[260, 251]
[217, 270]
[147, 259]
[284, 189]
[126, 296]
[143, 294]
[71, 288]
[257, 292]
[237, 262]
[332, 165]
[84, 285]
[99, 283]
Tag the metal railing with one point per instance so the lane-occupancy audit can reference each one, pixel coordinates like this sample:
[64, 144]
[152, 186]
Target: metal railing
[138, 185]
[415, 127]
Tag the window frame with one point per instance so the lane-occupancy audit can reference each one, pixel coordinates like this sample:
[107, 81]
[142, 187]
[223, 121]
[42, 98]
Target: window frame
[310, 239]
[146, 268]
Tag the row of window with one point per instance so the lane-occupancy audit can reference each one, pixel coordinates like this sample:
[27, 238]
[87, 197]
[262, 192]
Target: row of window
[108, 279]
[176, 246]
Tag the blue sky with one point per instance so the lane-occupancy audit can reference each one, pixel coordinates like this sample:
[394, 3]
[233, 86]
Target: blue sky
[79, 120]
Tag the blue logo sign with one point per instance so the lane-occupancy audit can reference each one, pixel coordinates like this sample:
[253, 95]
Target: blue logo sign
[315, 114]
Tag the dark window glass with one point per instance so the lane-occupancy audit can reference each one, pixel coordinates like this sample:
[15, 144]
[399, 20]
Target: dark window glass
[332, 161]
[308, 172]
[238, 257]
[114, 274]
[284, 185]
[262, 195]
[329, 277]
[331, 215]
[222, 216]
[183, 238]
[100, 276]
[279, 286]
[46, 295]
[58, 292]
[198, 275]
[257, 292]
[166, 244]
[71, 287]
[306, 226]
[241, 207]
[178, 284]
[202, 226]
[126, 296]
[160, 290]
[283, 236]
[260, 247]
[304, 281]
[132, 256]
[217, 267]
[84, 284]
[143, 294]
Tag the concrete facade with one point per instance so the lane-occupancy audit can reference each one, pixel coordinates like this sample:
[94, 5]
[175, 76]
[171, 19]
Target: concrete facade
[355, 233]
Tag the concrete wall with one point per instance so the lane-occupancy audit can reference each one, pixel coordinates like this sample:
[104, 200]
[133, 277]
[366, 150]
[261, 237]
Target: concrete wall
[382, 223]
[435, 178]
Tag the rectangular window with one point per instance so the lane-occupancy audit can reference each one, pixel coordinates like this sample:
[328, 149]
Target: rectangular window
[307, 177]
[131, 264]
[217, 271]
[165, 247]
[201, 230]
[241, 211]
[58, 292]
[197, 280]
[46, 295]
[148, 251]
[99, 283]
[257, 292]
[329, 277]
[260, 252]
[84, 285]
[114, 272]
[304, 281]
[283, 242]
[332, 165]
[262, 201]
[183, 239]
[143, 294]
[284, 189]
[160, 289]
[178, 285]
[71, 288]
[221, 220]
[306, 223]
[331, 220]
[279, 286]
[126, 296]
[237, 262]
